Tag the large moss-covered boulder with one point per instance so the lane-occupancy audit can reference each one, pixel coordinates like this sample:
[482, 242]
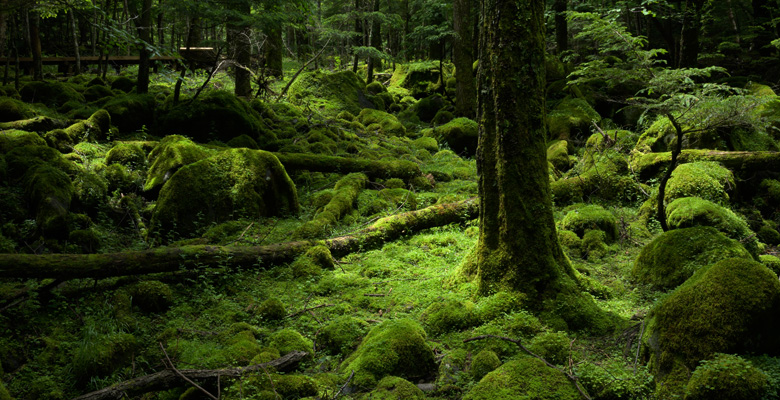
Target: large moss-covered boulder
[394, 347]
[460, 135]
[585, 217]
[97, 92]
[49, 191]
[234, 183]
[426, 108]
[705, 179]
[172, 153]
[217, 115]
[420, 79]
[726, 377]
[13, 138]
[728, 307]
[571, 118]
[526, 378]
[676, 255]
[331, 92]
[53, 94]
[388, 123]
[132, 112]
[693, 211]
[342, 335]
[395, 388]
[129, 154]
[14, 110]
[93, 129]
[100, 356]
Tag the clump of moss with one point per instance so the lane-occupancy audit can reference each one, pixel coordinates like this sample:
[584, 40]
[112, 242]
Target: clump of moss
[571, 118]
[704, 179]
[87, 240]
[97, 92]
[342, 335]
[771, 262]
[14, 110]
[726, 377]
[497, 305]
[346, 192]
[217, 115]
[245, 141]
[692, 211]
[99, 357]
[132, 112]
[331, 92]
[571, 242]
[123, 83]
[584, 217]
[676, 255]
[552, 346]
[460, 135]
[558, 155]
[152, 296]
[427, 143]
[172, 153]
[131, 155]
[418, 79]
[271, 310]
[726, 307]
[612, 380]
[388, 123]
[13, 138]
[483, 363]
[230, 184]
[49, 191]
[448, 315]
[289, 340]
[52, 94]
[594, 246]
[313, 261]
[524, 378]
[394, 347]
[426, 108]
[395, 388]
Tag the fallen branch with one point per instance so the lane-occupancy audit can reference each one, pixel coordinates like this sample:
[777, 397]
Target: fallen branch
[344, 386]
[172, 259]
[168, 379]
[316, 56]
[172, 367]
[571, 377]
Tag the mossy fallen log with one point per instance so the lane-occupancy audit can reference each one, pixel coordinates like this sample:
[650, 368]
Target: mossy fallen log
[170, 259]
[372, 168]
[36, 124]
[649, 165]
[168, 378]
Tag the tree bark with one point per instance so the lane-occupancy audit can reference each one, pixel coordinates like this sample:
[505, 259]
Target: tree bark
[168, 379]
[463, 58]
[373, 168]
[35, 46]
[561, 26]
[689, 37]
[274, 51]
[76, 54]
[76, 266]
[358, 40]
[241, 49]
[376, 42]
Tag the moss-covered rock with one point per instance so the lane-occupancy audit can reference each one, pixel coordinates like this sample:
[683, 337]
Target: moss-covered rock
[584, 217]
[96, 92]
[234, 183]
[554, 347]
[14, 110]
[693, 211]
[53, 94]
[571, 242]
[172, 153]
[132, 112]
[524, 378]
[289, 340]
[123, 83]
[771, 262]
[483, 363]
[726, 377]
[448, 315]
[558, 155]
[217, 115]
[152, 296]
[426, 108]
[313, 261]
[460, 135]
[661, 136]
[676, 255]
[93, 129]
[727, 307]
[245, 141]
[49, 191]
[342, 335]
[331, 92]
[395, 388]
[419, 79]
[395, 347]
[387, 122]
[705, 179]
[271, 310]
[100, 356]
[129, 154]
[345, 194]
[10, 139]
[571, 118]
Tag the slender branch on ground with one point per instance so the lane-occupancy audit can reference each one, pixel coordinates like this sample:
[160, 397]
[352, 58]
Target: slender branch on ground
[188, 380]
[344, 386]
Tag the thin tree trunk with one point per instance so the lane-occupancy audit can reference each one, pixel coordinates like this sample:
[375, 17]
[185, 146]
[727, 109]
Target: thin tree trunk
[376, 42]
[72, 20]
[35, 38]
[358, 35]
[561, 26]
[144, 29]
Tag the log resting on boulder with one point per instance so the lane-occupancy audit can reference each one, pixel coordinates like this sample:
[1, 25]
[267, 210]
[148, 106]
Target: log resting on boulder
[170, 259]
[649, 165]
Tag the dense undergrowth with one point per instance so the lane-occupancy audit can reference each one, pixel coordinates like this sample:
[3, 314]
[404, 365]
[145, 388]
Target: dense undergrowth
[337, 156]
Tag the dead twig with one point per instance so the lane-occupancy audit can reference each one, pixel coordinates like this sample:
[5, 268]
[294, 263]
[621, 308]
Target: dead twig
[177, 372]
[344, 386]
[571, 377]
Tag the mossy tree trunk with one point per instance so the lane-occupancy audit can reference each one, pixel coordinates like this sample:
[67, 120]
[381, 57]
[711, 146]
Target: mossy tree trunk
[144, 27]
[238, 34]
[518, 246]
[463, 58]
[35, 45]
[376, 42]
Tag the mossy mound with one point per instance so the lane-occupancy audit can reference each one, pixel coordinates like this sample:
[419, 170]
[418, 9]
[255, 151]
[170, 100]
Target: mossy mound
[132, 112]
[395, 347]
[558, 155]
[342, 335]
[460, 134]
[448, 315]
[693, 211]
[705, 179]
[245, 141]
[93, 129]
[11, 139]
[395, 388]
[123, 83]
[585, 217]
[97, 92]
[14, 110]
[172, 153]
[571, 118]
[676, 255]
[426, 108]
[49, 191]
[217, 115]
[52, 94]
[331, 92]
[152, 296]
[231, 184]
[728, 307]
[594, 245]
[484, 362]
[100, 356]
[271, 310]
[726, 377]
[345, 194]
[419, 79]
[661, 137]
[554, 347]
[129, 154]
[771, 262]
[289, 340]
[387, 122]
[313, 261]
[524, 378]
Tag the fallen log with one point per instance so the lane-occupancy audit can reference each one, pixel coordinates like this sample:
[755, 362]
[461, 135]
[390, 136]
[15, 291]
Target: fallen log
[170, 259]
[649, 165]
[168, 378]
[373, 168]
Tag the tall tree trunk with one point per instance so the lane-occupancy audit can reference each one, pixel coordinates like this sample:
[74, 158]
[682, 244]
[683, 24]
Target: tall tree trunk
[76, 54]
[144, 28]
[376, 42]
[273, 52]
[241, 51]
[518, 246]
[35, 45]
[689, 37]
[3, 27]
[561, 26]
[358, 40]
[463, 58]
